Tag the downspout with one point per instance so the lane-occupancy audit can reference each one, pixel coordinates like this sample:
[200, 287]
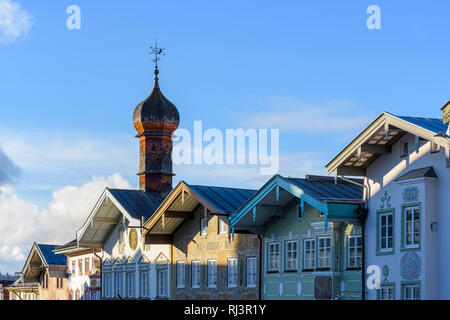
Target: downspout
[362, 215]
[101, 272]
[260, 265]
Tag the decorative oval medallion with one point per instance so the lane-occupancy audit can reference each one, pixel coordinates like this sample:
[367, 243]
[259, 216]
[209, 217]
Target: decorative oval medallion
[132, 239]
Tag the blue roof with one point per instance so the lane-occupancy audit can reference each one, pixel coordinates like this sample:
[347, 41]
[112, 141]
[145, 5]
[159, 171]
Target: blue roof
[324, 189]
[434, 125]
[136, 202]
[50, 257]
[226, 200]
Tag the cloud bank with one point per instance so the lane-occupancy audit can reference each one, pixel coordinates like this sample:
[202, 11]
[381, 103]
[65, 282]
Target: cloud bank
[22, 223]
[15, 22]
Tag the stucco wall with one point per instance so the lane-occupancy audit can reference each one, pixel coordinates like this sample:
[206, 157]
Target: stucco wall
[190, 246]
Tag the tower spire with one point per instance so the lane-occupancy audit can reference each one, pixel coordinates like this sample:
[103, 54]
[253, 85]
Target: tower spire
[157, 52]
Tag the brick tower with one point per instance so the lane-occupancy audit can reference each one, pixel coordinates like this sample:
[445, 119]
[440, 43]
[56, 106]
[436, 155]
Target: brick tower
[155, 119]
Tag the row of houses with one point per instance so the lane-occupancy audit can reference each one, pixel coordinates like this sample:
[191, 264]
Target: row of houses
[383, 210]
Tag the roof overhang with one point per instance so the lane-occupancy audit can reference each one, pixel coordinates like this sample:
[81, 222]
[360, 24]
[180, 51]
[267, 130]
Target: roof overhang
[277, 195]
[377, 139]
[178, 207]
[105, 216]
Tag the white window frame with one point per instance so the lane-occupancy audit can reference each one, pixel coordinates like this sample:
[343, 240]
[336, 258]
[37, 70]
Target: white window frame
[232, 272]
[405, 287]
[352, 251]
[222, 226]
[145, 292]
[273, 264]
[162, 279]
[212, 273]
[291, 264]
[388, 236]
[131, 284]
[195, 274]
[203, 227]
[326, 249]
[388, 289]
[181, 274]
[118, 287]
[252, 272]
[405, 227]
[312, 254]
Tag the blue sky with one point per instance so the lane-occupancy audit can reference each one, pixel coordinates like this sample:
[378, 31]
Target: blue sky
[67, 96]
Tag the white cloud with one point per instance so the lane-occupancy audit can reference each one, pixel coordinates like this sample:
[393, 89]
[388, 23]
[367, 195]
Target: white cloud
[23, 223]
[290, 114]
[15, 22]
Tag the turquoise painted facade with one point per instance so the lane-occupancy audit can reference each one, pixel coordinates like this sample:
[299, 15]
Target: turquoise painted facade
[312, 247]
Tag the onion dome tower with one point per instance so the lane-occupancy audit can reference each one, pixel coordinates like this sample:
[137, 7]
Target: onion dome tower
[156, 119]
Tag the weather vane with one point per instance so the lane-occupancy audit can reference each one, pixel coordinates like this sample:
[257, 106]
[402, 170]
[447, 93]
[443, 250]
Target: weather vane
[157, 52]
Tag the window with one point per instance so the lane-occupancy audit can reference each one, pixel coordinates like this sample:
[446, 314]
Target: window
[385, 231]
[274, 257]
[251, 272]
[181, 274]
[203, 227]
[325, 252]
[59, 283]
[195, 268]
[387, 292]
[291, 256]
[354, 251]
[80, 267]
[77, 295]
[405, 150]
[108, 286]
[411, 291]
[162, 282]
[411, 227]
[86, 266]
[131, 284]
[232, 273]
[212, 273]
[309, 254]
[222, 226]
[118, 284]
[74, 268]
[145, 293]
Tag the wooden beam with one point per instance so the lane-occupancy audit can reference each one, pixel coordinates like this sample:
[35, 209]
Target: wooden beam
[373, 148]
[105, 220]
[158, 238]
[178, 214]
[351, 171]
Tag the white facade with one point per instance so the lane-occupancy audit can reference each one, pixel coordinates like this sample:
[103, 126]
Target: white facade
[409, 269]
[142, 273]
[84, 277]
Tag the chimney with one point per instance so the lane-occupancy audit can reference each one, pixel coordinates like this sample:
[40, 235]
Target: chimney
[446, 115]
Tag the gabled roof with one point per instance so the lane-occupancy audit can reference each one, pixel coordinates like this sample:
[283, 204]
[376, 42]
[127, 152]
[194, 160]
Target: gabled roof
[378, 138]
[224, 199]
[427, 172]
[50, 257]
[184, 199]
[336, 202]
[111, 206]
[136, 202]
[325, 189]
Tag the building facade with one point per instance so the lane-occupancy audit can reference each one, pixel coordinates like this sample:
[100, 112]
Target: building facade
[406, 165]
[83, 267]
[206, 263]
[311, 235]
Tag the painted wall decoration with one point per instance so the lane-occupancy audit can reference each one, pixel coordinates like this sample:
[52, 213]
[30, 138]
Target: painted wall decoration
[385, 273]
[385, 201]
[323, 287]
[411, 194]
[133, 239]
[411, 266]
